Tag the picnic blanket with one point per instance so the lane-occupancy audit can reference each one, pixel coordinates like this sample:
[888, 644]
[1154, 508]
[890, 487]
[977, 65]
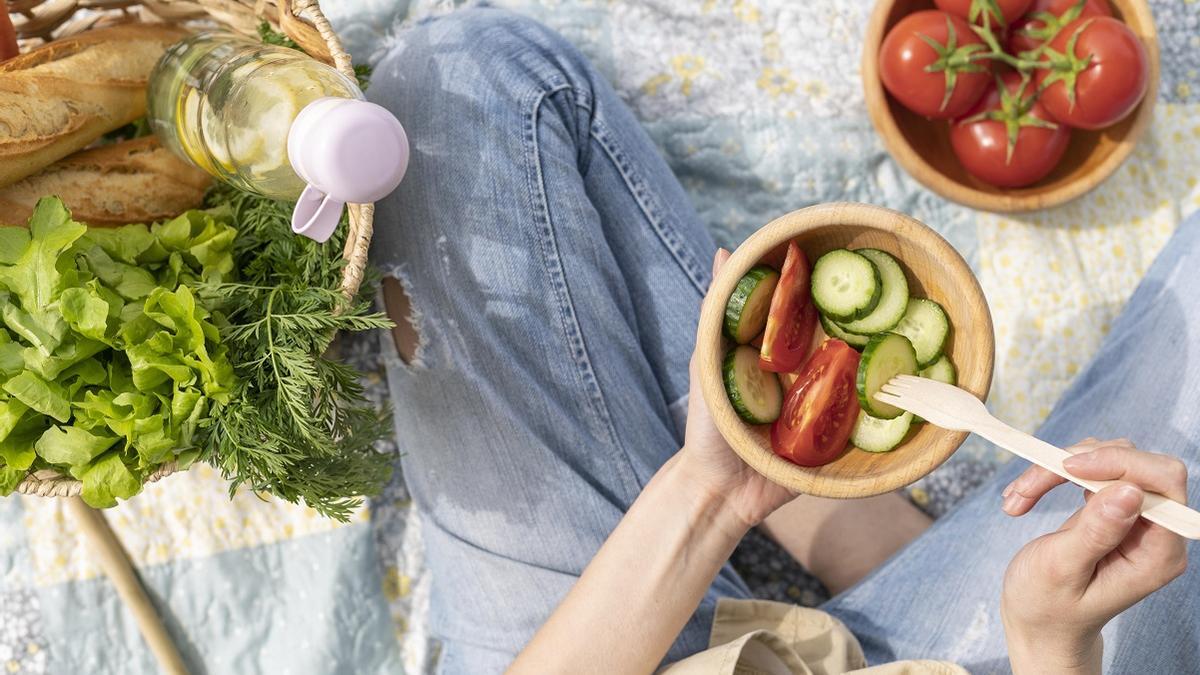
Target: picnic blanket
[758, 107]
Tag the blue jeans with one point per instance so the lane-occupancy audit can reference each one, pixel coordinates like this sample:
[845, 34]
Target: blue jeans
[556, 268]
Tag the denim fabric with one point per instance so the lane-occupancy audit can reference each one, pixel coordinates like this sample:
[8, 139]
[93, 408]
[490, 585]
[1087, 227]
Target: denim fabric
[556, 268]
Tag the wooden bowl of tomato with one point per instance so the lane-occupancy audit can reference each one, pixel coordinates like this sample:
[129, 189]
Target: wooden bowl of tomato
[941, 137]
[802, 449]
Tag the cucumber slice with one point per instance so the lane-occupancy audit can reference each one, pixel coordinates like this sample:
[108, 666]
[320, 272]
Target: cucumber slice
[885, 356]
[926, 327]
[845, 285]
[746, 311]
[756, 394]
[878, 435]
[893, 299]
[835, 331]
[941, 371]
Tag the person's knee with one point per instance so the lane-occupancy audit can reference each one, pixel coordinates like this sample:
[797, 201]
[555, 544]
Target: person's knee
[475, 55]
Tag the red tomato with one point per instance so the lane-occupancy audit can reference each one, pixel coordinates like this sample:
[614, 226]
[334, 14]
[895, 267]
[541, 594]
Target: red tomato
[8, 36]
[1009, 140]
[820, 408]
[792, 319]
[1095, 93]
[990, 13]
[1046, 17]
[939, 82]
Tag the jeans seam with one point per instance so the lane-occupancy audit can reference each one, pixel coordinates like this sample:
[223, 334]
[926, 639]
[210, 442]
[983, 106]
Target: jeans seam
[558, 281]
[636, 185]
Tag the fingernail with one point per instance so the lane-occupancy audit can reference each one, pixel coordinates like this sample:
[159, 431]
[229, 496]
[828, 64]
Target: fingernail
[1007, 491]
[1011, 502]
[1124, 504]
[1080, 461]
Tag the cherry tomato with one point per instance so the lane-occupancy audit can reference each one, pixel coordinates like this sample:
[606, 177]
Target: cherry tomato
[1009, 140]
[820, 408]
[8, 36]
[1046, 18]
[940, 82]
[994, 14]
[1099, 75]
[792, 319]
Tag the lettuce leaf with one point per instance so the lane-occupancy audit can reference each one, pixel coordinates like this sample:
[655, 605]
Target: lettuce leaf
[107, 479]
[10, 478]
[13, 241]
[71, 446]
[35, 277]
[44, 332]
[17, 447]
[127, 244]
[11, 412]
[69, 353]
[48, 398]
[110, 364]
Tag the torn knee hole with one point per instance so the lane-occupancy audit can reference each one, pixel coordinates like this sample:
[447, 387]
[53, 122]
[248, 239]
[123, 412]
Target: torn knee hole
[400, 310]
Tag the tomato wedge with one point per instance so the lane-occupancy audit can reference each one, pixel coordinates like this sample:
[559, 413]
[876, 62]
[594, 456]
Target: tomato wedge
[820, 408]
[8, 36]
[792, 318]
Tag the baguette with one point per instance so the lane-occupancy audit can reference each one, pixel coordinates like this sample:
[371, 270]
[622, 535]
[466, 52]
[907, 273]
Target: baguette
[136, 181]
[60, 97]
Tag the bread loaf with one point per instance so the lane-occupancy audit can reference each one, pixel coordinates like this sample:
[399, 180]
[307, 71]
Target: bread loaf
[60, 97]
[135, 181]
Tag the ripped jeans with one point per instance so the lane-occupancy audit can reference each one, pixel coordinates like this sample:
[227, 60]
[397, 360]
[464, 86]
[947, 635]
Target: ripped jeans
[556, 268]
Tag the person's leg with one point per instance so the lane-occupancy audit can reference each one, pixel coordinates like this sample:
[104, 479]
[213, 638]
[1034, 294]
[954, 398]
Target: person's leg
[555, 269]
[939, 597]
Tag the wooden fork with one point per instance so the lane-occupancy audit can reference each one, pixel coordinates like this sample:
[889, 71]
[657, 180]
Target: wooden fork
[952, 408]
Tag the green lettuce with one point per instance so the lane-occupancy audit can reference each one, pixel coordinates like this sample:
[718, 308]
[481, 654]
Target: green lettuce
[110, 364]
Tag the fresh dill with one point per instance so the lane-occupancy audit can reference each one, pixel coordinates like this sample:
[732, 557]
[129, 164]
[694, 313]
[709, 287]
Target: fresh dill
[299, 426]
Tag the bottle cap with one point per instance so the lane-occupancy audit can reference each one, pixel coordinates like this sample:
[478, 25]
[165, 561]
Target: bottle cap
[347, 151]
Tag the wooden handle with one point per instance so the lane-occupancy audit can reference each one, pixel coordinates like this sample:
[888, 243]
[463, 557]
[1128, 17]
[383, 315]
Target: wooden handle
[1156, 508]
[108, 551]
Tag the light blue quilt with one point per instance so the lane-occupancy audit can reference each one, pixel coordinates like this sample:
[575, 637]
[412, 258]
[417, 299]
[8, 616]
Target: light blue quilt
[758, 107]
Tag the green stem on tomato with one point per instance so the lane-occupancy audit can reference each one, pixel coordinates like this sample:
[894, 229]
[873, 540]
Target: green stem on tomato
[1023, 65]
[951, 59]
[1065, 67]
[1015, 112]
[996, 52]
[1051, 26]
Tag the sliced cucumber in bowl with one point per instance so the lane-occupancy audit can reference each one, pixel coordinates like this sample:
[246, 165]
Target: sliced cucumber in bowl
[879, 435]
[885, 356]
[755, 394]
[893, 296]
[845, 285]
[746, 311]
[835, 331]
[926, 326]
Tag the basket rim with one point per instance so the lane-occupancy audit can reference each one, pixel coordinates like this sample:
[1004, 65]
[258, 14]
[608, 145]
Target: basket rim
[294, 16]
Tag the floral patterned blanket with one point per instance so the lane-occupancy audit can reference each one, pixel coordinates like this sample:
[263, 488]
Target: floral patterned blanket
[758, 107]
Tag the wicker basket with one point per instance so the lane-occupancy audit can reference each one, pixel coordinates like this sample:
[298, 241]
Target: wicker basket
[38, 21]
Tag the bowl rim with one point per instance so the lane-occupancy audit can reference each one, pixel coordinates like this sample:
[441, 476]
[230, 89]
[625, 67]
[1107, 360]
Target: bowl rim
[915, 165]
[709, 351]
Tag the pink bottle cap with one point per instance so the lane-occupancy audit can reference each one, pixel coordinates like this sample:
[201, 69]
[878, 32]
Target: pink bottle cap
[347, 151]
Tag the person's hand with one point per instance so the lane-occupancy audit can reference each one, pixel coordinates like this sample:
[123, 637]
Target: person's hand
[714, 466]
[1062, 588]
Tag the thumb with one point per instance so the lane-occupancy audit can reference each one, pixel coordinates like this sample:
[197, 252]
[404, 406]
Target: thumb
[1102, 525]
[719, 260]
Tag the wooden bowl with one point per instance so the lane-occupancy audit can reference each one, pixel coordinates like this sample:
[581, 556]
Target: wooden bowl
[922, 146]
[935, 270]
